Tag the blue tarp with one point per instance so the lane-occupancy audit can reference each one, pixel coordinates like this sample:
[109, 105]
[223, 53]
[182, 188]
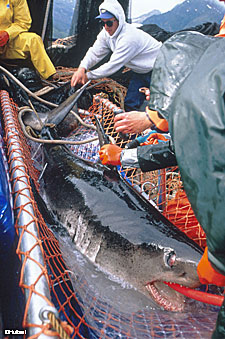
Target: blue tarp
[7, 231]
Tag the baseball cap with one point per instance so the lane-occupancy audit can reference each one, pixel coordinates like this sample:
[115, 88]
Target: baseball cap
[104, 14]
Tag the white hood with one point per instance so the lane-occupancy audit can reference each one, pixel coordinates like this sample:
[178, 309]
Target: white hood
[114, 7]
[130, 47]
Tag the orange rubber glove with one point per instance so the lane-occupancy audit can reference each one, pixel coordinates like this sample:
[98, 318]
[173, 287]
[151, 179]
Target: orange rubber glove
[110, 155]
[4, 37]
[207, 274]
[154, 138]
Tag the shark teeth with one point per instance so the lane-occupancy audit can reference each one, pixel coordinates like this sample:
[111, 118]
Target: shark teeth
[162, 301]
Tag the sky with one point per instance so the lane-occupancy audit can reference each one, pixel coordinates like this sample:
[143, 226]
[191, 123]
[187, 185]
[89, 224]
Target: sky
[140, 7]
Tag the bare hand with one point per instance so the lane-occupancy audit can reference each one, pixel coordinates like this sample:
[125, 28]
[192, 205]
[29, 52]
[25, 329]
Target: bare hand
[131, 122]
[146, 92]
[79, 77]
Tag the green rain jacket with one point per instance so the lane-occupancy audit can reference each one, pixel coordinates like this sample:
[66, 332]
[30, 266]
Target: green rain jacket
[188, 88]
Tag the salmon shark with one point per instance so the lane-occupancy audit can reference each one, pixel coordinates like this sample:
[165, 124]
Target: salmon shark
[117, 229]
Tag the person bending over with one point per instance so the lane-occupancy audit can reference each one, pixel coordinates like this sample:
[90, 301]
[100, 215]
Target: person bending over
[130, 47]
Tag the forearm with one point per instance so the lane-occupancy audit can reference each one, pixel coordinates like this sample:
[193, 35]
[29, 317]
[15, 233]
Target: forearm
[104, 70]
[119, 58]
[132, 122]
[129, 158]
[95, 54]
[91, 59]
[22, 20]
[149, 157]
[152, 157]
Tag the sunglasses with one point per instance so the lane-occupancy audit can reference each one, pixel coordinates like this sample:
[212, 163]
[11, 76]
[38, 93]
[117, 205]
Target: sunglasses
[108, 23]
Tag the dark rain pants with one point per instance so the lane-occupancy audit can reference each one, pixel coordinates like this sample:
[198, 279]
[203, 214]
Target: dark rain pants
[134, 99]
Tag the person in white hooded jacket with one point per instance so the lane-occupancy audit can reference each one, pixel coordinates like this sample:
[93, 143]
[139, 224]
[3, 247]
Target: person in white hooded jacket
[130, 47]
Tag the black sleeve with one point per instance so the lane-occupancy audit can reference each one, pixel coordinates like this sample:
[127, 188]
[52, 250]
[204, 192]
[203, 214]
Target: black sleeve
[153, 157]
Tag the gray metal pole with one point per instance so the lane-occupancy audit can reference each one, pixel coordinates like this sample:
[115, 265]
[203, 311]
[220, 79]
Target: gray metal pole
[21, 193]
[45, 20]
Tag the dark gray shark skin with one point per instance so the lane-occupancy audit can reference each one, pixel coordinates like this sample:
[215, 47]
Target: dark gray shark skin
[68, 124]
[117, 229]
[59, 113]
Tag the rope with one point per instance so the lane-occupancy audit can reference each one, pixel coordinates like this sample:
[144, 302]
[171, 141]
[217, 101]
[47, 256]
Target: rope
[37, 115]
[48, 102]
[56, 325]
[27, 130]
[44, 141]
[19, 83]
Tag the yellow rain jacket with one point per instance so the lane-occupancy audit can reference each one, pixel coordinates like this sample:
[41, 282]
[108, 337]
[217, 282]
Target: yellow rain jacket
[15, 19]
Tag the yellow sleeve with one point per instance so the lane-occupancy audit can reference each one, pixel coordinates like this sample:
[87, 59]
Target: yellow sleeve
[21, 21]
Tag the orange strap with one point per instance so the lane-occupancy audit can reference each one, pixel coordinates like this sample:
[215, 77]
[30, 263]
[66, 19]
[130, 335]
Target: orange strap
[207, 274]
[160, 123]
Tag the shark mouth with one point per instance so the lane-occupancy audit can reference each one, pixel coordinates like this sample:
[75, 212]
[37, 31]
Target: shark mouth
[166, 298]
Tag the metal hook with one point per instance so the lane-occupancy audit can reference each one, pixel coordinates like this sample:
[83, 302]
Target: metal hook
[43, 313]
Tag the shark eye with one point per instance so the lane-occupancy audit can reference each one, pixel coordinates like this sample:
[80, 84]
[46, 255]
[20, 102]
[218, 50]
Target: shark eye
[170, 258]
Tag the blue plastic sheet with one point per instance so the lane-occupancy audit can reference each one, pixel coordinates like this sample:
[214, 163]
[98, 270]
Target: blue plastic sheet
[7, 231]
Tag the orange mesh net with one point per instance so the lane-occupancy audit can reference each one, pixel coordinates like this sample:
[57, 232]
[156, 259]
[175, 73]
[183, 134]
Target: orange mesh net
[163, 188]
[178, 210]
[90, 316]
